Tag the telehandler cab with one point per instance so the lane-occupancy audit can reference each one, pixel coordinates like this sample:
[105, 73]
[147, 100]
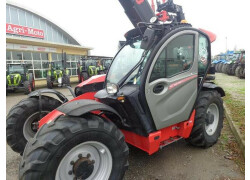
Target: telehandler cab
[155, 94]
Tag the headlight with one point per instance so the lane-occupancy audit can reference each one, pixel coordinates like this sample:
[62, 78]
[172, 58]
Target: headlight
[112, 88]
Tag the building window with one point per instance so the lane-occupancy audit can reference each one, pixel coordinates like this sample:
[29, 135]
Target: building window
[36, 22]
[14, 16]
[49, 32]
[45, 56]
[22, 17]
[29, 19]
[27, 56]
[36, 56]
[7, 14]
[8, 55]
[37, 64]
[17, 55]
[43, 27]
[54, 56]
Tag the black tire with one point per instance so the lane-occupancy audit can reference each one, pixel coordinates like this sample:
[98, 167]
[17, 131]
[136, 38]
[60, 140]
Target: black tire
[32, 81]
[85, 75]
[220, 67]
[233, 69]
[27, 87]
[224, 66]
[49, 82]
[20, 113]
[66, 80]
[199, 136]
[239, 72]
[44, 152]
[228, 68]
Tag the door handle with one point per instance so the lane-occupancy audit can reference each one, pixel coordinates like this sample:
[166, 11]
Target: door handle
[158, 88]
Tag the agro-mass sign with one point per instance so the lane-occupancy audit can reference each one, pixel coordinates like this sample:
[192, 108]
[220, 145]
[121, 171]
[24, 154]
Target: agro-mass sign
[24, 31]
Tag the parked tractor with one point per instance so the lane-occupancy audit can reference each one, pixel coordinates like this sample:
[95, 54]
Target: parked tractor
[240, 69]
[58, 74]
[155, 93]
[88, 67]
[232, 65]
[18, 77]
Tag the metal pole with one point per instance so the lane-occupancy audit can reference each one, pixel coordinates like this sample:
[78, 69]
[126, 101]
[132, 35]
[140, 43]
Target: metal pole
[226, 44]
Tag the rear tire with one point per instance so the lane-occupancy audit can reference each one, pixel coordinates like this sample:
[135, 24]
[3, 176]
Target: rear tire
[49, 82]
[239, 72]
[53, 151]
[233, 69]
[205, 133]
[85, 76]
[20, 118]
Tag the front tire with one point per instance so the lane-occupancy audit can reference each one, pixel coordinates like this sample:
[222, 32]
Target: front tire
[27, 87]
[63, 147]
[208, 119]
[19, 127]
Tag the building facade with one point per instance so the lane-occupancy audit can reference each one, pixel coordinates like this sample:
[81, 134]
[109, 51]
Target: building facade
[36, 41]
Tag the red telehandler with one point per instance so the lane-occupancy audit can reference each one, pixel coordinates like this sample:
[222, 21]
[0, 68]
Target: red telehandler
[155, 93]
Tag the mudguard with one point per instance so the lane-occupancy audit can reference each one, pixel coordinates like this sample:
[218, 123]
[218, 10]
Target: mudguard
[42, 91]
[207, 86]
[81, 107]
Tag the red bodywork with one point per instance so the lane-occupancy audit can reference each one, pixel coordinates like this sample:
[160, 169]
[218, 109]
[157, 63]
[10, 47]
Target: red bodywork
[150, 144]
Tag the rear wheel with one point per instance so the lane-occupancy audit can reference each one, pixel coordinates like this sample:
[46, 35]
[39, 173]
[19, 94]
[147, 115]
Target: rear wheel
[32, 81]
[208, 119]
[49, 82]
[233, 69]
[85, 76]
[239, 72]
[21, 118]
[76, 148]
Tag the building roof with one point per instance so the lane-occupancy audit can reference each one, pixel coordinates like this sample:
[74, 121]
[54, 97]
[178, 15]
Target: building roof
[66, 34]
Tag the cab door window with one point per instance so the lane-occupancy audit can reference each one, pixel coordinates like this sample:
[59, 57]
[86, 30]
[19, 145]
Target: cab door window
[175, 58]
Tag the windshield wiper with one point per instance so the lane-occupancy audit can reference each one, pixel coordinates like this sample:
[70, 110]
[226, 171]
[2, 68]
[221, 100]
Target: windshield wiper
[121, 82]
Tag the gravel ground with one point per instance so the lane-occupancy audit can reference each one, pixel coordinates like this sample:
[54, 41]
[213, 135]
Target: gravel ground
[176, 161]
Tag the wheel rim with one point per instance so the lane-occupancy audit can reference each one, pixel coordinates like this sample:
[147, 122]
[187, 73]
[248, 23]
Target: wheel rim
[212, 127]
[29, 129]
[92, 158]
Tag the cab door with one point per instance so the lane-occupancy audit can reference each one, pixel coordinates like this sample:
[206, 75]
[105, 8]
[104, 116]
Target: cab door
[171, 84]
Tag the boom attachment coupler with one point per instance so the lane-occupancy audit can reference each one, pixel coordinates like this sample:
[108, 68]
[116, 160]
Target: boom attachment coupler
[141, 11]
[170, 7]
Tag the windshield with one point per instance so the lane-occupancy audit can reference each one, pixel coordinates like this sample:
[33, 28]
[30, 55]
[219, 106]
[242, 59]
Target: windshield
[16, 69]
[124, 62]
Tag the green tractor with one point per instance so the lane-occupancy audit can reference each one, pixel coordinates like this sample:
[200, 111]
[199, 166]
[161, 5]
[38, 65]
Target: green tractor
[106, 64]
[57, 73]
[82, 70]
[88, 68]
[18, 77]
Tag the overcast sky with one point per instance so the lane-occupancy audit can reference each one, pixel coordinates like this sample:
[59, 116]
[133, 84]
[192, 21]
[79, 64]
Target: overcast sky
[102, 23]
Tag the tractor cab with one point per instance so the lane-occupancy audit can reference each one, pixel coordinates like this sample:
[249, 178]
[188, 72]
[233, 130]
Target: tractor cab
[106, 64]
[156, 67]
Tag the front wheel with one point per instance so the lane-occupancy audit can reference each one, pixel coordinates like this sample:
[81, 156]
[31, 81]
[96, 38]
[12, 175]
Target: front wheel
[76, 148]
[20, 120]
[208, 119]
[27, 87]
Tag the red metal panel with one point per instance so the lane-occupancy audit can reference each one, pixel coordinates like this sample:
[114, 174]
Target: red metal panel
[154, 141]
[93, 79]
